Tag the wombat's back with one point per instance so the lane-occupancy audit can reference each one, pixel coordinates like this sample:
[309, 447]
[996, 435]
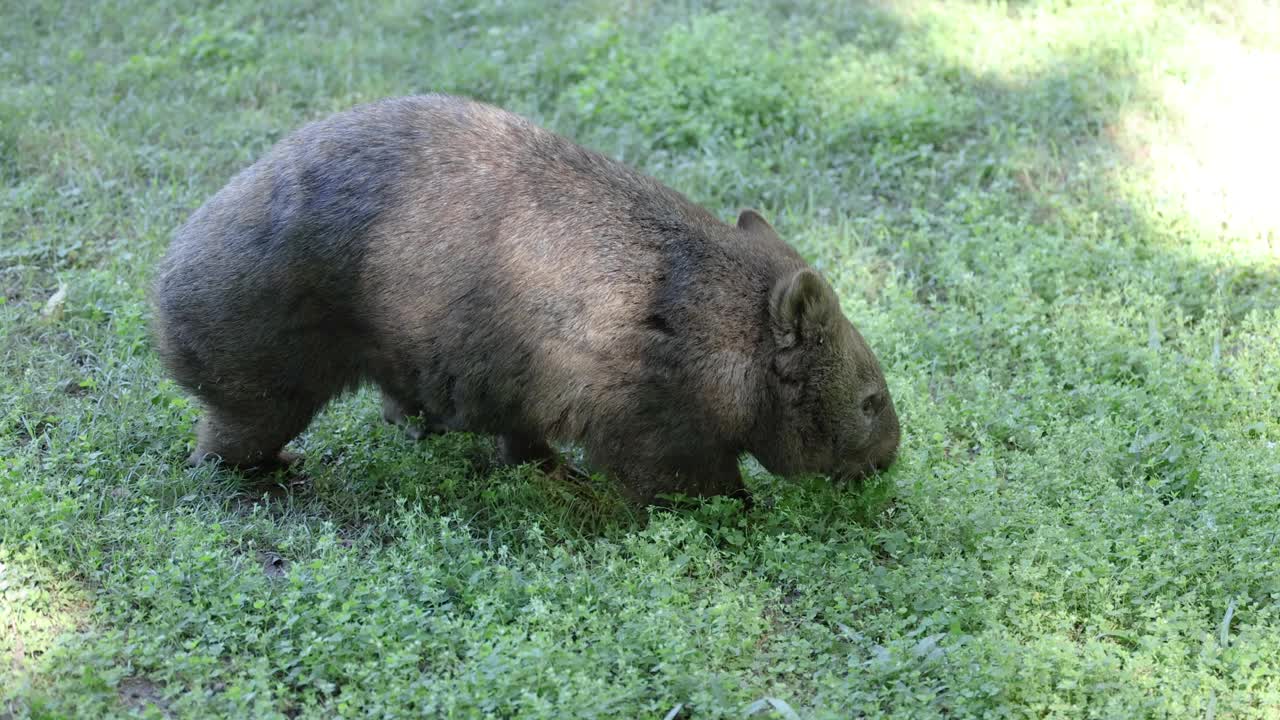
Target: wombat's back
[530, 282]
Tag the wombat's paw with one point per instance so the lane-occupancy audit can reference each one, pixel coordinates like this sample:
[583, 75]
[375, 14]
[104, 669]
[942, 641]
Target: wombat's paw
[517, 449]
[286, 458]
[413, 430]
[661, 491]
[567, 472]
[746, 498]
[412, 422]
[260, 463]
[418, 428]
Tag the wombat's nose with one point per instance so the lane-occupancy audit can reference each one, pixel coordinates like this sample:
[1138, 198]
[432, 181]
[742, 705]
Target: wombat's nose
[886, 450]
[884, 462]
[859, 472]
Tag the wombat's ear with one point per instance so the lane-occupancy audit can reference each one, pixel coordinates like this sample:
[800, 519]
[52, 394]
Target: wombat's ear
[801, 306]
[752, 221]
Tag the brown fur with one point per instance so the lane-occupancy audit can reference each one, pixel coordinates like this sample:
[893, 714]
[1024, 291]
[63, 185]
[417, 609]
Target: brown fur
[491, 276]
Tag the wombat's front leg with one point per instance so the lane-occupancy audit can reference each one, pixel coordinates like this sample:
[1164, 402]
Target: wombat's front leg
[412, 420]
[518, 449]
[721, 478]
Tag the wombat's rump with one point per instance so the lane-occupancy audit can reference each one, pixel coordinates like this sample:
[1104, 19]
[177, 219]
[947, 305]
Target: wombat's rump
[491, 276]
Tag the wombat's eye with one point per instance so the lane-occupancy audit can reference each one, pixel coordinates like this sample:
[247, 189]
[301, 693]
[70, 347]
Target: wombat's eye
[871, 405]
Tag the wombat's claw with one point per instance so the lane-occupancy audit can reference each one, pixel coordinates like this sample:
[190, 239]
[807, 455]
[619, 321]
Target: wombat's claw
[281, 460]
[413, 427]
[566, 472]
[285, 458]
[412, 430]
[394, 413]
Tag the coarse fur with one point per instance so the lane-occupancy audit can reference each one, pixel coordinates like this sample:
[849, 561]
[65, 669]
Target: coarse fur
[492, 276]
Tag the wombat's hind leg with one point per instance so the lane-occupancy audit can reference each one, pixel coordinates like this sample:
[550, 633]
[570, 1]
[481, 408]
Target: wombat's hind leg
[251, 439]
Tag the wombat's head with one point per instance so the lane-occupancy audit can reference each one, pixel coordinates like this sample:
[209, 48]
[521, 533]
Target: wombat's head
[834, 414]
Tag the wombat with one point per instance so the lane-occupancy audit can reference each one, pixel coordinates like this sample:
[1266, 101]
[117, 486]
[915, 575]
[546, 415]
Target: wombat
[491, 276]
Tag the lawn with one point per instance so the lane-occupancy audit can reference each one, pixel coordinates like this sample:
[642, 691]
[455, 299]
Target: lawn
[1056, 223]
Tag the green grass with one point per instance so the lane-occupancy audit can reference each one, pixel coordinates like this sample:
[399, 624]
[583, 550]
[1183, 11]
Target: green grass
[1049, 219]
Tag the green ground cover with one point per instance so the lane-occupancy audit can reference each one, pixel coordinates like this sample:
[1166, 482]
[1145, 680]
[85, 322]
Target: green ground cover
[1057, 223]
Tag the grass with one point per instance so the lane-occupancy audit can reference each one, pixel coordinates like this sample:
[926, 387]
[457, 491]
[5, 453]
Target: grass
[1055, 222]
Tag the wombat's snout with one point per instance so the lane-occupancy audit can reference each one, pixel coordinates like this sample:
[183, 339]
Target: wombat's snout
[864, 468]
[882, 450]
[889, 434]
